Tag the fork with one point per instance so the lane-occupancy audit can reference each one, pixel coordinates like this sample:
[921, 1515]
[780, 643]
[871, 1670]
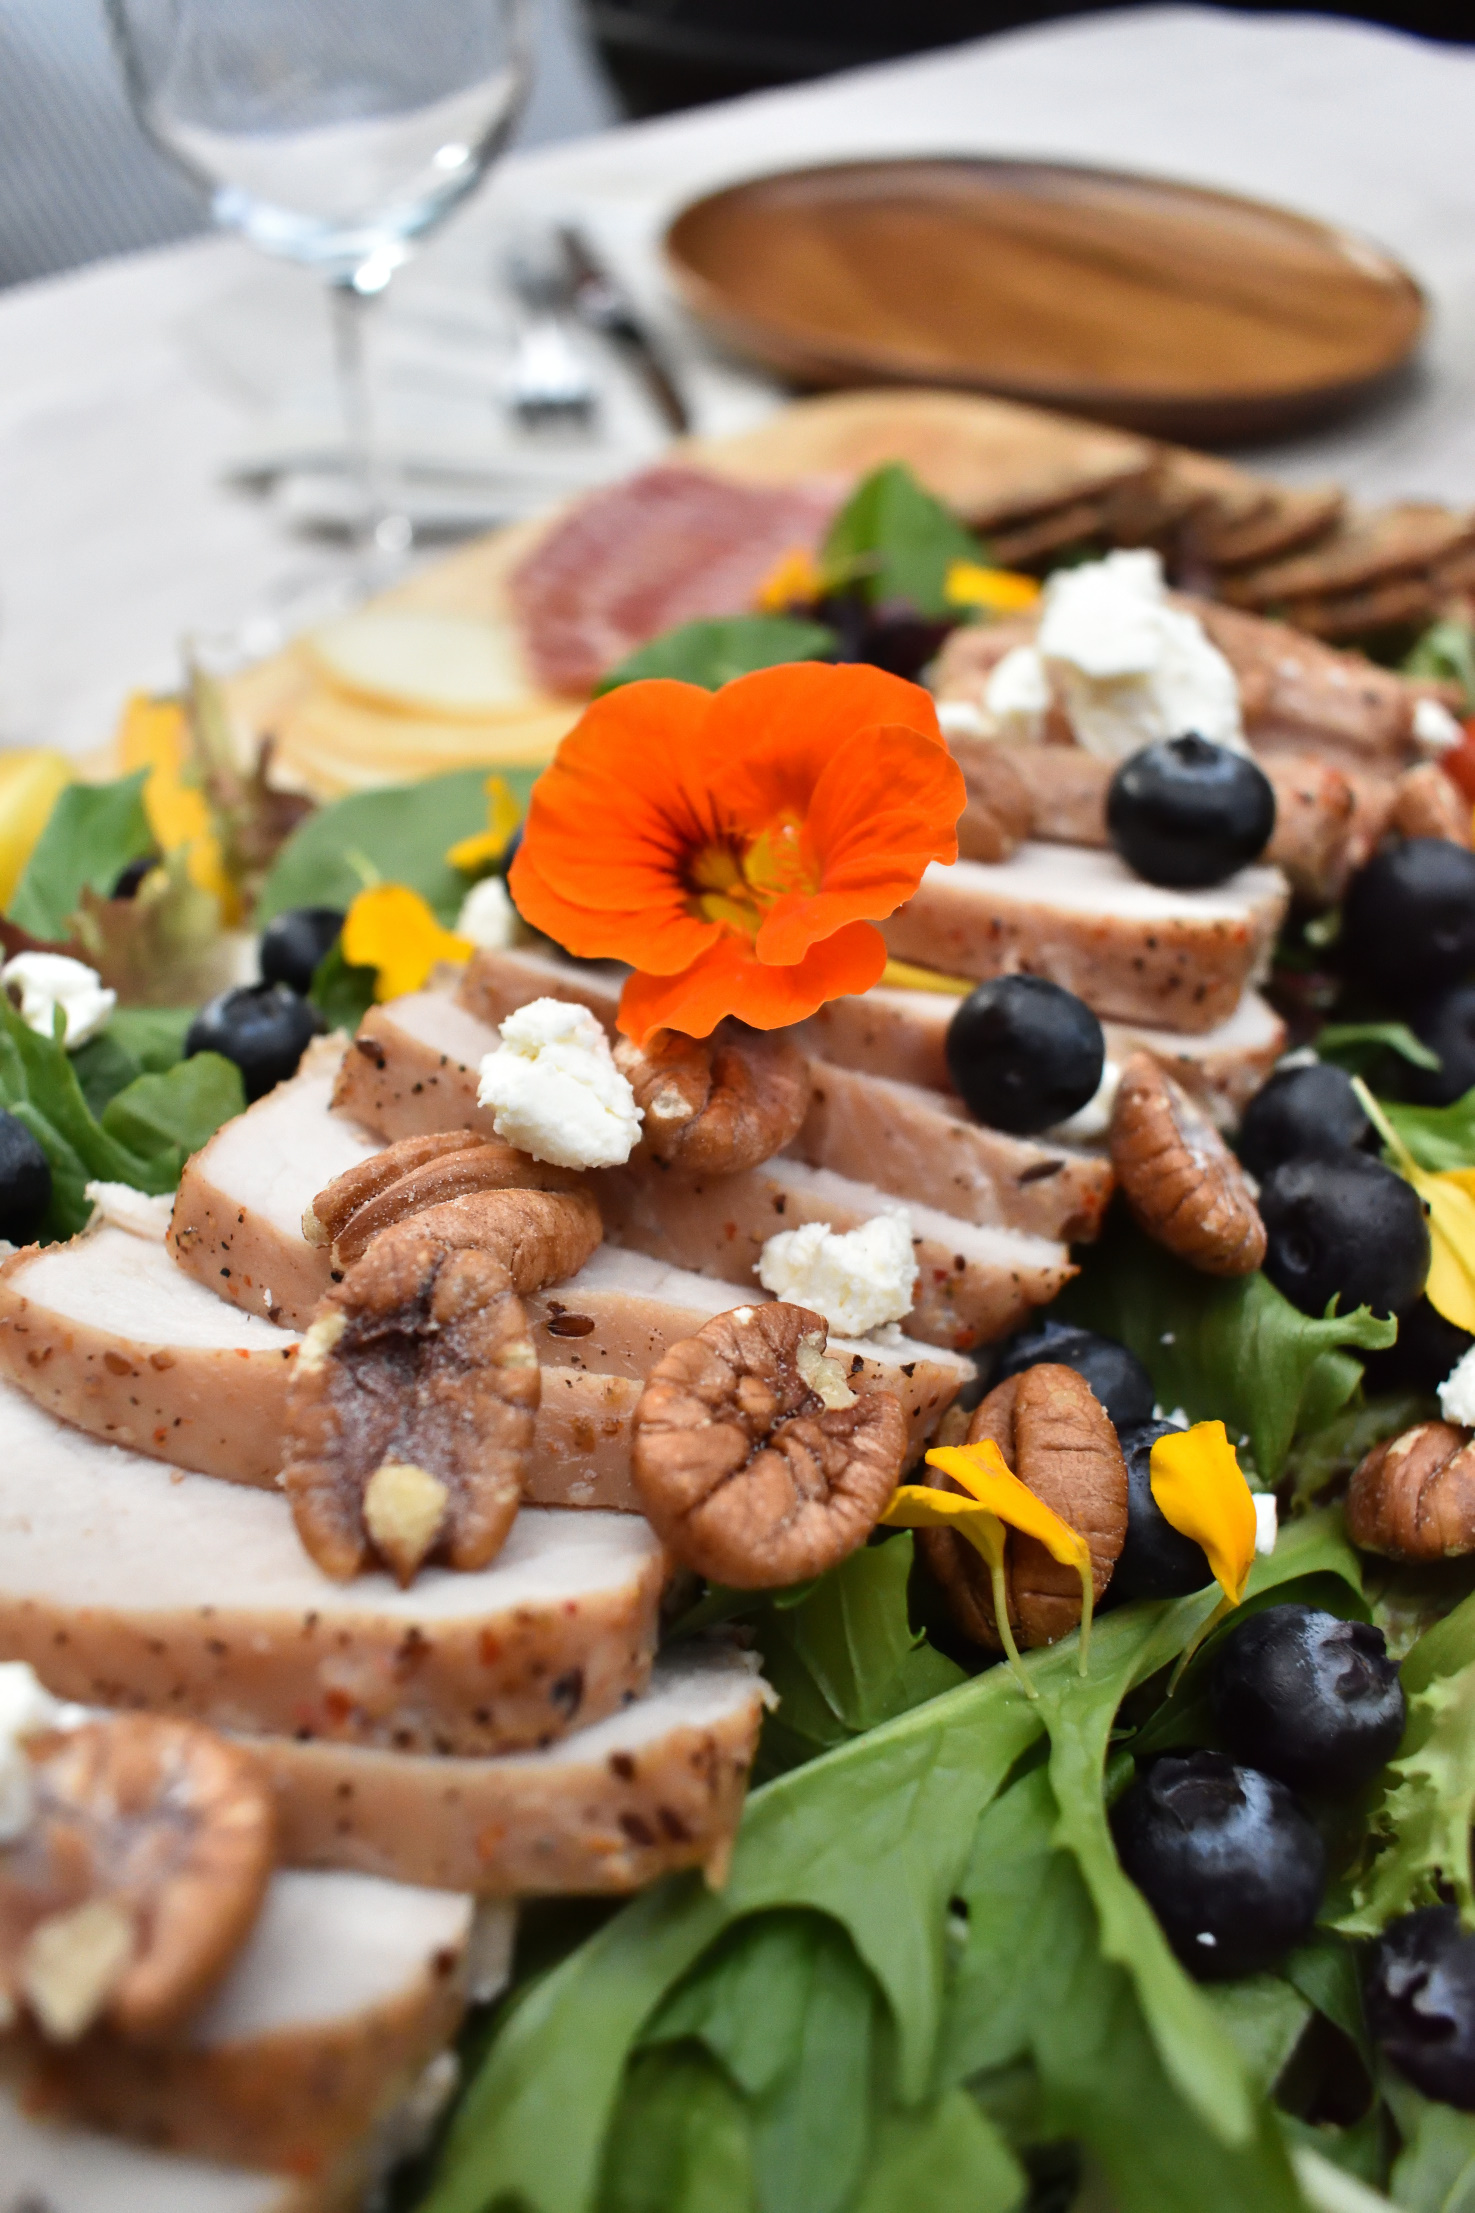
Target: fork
[549, 381]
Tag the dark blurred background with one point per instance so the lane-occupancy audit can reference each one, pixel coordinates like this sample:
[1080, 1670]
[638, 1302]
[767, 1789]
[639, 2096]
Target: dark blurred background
[77, 181]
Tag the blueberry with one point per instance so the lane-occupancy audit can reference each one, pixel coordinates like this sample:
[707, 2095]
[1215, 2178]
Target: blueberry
[263, 1028]
[1420, 1998]
[1226, 1859]
[1347, 1229]
[1117, 1376]
[509, 852]
[1300, 1112]
[1310, 1698]
[293, 944]
[1024, 1054]
[1156, 1560]
[1188, 813]
[1408, 921]
[25, 1181]
[1427, 1347]
[1447, 1026]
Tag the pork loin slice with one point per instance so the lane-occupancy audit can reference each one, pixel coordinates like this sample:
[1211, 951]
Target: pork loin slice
[58, 2167]
[1131, 950]
[346, 1990]
[237, 1225]
[657, 1786]
[975, 1284]
[129, 1584]
[109, 1333]
[414, 1067]
[495, 983]
[903, 1035]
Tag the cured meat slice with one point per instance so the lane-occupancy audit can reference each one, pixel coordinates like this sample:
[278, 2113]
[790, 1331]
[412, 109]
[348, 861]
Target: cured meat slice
[635, 559]
[1133, 951]
[68, 2169]
[901, 1034]
[277, 1155]
[346, 1990]
[129, 1584]
[656, 1786]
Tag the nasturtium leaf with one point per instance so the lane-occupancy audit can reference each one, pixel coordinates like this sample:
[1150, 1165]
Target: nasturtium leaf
[176, 1112]
[1235, 1351]
[714, 652]
[895, 541]
[399, 835]
[91, 835]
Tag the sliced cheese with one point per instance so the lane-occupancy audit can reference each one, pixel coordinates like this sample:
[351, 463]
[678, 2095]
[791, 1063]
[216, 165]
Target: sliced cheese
[425, 664]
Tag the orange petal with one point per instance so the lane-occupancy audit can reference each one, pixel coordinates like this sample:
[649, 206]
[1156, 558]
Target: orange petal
[772, 735]
[728, 980]
[663, 939]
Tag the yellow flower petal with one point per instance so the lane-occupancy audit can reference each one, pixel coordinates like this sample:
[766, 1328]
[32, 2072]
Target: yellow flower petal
[794, 578]
[31, 782]
[155, 734]
[485, 847]
[1001, 591]
[902, 976]
[1200, 1488]
[983, 1470]
[390, 929]
[918, 1506]
[1450, 1198]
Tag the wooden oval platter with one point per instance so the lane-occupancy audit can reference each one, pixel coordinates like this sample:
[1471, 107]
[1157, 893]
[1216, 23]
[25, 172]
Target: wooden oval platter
[1162, 307]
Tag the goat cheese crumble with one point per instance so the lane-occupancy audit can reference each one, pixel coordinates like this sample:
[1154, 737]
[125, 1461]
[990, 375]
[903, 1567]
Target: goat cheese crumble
[1457, 1392]
[859, 1280]
[488, 917]
[555, 1090]
[136, 1211]
[1435, 728]
[25, 1710]
[1127, 668]
[47, 981]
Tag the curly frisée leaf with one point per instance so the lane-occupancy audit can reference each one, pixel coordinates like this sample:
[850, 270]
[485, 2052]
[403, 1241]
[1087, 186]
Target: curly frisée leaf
[1235, 1350]
[1421, 1823]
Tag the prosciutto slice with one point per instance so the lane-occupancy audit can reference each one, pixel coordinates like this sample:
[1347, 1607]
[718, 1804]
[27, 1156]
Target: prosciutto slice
[671, 545]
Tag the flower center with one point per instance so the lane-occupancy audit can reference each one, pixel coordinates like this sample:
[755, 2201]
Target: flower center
[738, 887]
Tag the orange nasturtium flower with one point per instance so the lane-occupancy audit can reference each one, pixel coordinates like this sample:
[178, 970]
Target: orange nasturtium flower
[390, 929]
[996, 1501]
[737, 847]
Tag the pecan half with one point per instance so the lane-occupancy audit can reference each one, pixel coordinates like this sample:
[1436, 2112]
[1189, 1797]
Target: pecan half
[411, 1409]
[753, 1459]
[1183, 1184]
[717, 1104]
[338, 1201]
[137, 1878]
[1056, 1436]
[1413, 1498]
[453, 1172]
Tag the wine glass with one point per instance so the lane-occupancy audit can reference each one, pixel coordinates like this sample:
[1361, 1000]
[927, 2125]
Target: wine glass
[335, 133]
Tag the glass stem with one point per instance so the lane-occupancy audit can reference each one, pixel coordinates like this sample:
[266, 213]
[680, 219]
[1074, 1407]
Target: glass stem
[376, 528]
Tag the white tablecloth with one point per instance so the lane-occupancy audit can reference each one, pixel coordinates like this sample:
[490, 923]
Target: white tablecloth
[129, 390]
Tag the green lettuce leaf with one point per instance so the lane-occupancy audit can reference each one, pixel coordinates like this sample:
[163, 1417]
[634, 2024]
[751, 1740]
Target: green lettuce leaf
[1446, 652]
[680, 2143]
[943, 2157]
[342, 993]
[1435, 2170]
[896, 541]
[175, 1113]
[1438, 1137]
[1235, 1350]
[91, 835]
[1358, 1046]
[713, 653]
[1422, 1819]
[399, 835]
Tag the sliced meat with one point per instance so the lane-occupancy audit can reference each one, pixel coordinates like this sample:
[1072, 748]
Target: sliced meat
[659, 1785]
[414, 1067]
[924, 1146]
[903, 1035]
[975, 1284]
[347, 1988]
[496, 984]
[52, 2169]
[237, 1224]
[109, 1333]
[1428, 804]
[1132, 950]
[636, 558]
[128, 1584]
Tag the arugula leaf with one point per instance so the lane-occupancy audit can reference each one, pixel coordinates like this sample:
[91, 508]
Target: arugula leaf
[398, 835]
[342, 993]
[1446, 652]
[680, 2143]
[1355, 1046]
[1232, 1350]
[896, 541]
[91, 835]
[713, 653]
[174, 1114]
[1421, 1822]
[1438, 1137]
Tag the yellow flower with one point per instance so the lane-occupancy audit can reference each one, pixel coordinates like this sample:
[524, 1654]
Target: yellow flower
[1200, 1488]
[476, 854]
[1449, 1194]
[795, 579]
[31, 782]
[998, 591]
[997, 1501]
[390, 929]
[155, 734]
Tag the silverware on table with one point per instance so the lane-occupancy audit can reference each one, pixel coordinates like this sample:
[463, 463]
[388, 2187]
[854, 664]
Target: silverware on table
[549, 382]
[602, 305]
